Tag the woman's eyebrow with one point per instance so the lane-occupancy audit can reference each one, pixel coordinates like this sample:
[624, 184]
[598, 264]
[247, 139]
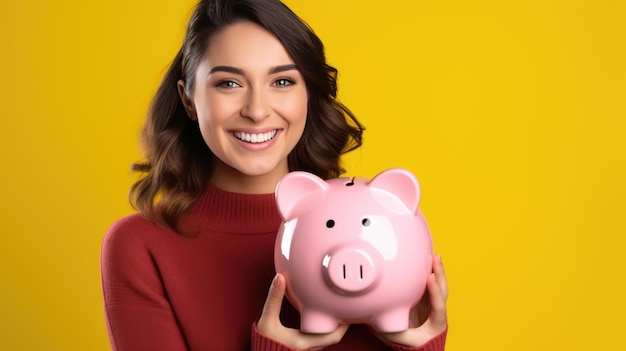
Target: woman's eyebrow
[228, 69]
[283, 68]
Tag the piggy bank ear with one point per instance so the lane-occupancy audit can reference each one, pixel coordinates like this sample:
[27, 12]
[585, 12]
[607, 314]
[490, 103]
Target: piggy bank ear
[402, 184]
[297, 192]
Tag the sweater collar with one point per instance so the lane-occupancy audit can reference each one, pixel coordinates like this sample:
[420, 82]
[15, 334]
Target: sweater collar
[236, 213]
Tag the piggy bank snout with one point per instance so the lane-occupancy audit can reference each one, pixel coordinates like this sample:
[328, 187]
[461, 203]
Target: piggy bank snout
[351, 270]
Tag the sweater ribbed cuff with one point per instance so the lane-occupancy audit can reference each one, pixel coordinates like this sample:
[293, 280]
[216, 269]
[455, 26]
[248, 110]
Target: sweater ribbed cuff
[261, 342]
[438, 343]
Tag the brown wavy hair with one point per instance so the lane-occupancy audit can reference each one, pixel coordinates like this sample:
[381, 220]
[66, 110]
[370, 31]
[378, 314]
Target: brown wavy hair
[176, 171]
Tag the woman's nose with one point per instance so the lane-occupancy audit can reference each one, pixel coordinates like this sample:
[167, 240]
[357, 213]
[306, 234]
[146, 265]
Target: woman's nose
[256, 107]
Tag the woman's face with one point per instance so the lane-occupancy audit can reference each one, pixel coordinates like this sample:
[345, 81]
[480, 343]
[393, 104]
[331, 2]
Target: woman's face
[250, 102]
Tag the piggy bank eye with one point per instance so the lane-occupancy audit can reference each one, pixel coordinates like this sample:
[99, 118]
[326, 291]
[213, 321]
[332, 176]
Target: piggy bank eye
[366, 222]
[330, 223]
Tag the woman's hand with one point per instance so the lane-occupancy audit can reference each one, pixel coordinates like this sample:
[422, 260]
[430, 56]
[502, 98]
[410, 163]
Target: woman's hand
[271, 326]
[428, 318]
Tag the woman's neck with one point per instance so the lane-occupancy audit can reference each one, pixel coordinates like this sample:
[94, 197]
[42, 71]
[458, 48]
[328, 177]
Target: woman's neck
[231, 180]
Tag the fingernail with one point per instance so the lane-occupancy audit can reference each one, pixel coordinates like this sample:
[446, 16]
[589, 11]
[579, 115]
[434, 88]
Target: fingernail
[439, 258]
[276, 281]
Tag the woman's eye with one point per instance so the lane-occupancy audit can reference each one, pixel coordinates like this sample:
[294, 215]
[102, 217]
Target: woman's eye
[283, 82]
[228, 84]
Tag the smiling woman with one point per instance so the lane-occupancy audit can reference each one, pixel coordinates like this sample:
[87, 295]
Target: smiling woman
[248, 98]
[246, 89]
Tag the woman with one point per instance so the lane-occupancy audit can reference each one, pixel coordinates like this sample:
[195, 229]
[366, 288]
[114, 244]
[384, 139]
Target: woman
[248, 98]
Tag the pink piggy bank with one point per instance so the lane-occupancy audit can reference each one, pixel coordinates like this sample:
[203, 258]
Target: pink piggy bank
[353, 250]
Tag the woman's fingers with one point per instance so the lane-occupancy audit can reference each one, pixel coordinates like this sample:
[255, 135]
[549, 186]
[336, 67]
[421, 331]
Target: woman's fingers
[431, 310]
[437, 316]
[438, 293]
[319, 341]
[441, 275]
[273, 303]
[270, 325]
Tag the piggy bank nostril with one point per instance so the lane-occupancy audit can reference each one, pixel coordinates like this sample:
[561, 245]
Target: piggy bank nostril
[360, 272]
[330, 223]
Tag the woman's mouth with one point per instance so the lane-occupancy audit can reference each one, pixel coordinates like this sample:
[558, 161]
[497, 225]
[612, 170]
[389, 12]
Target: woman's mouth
[255, 138]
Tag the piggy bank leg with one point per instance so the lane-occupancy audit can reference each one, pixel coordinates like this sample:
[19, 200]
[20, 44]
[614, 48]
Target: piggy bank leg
[316, 322]
[392, 321]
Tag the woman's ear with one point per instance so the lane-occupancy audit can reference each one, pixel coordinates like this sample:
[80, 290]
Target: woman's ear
[187, 102]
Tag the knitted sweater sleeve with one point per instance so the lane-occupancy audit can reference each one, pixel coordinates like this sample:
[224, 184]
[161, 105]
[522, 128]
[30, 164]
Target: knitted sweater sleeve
[138, 314]
[261, 342]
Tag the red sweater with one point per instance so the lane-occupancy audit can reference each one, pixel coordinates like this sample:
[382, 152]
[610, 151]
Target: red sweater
[163, 291]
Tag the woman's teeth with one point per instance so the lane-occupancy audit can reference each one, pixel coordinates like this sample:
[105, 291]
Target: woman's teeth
[255, 138]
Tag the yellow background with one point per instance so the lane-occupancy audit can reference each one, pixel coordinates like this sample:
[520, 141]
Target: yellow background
[511, 113]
